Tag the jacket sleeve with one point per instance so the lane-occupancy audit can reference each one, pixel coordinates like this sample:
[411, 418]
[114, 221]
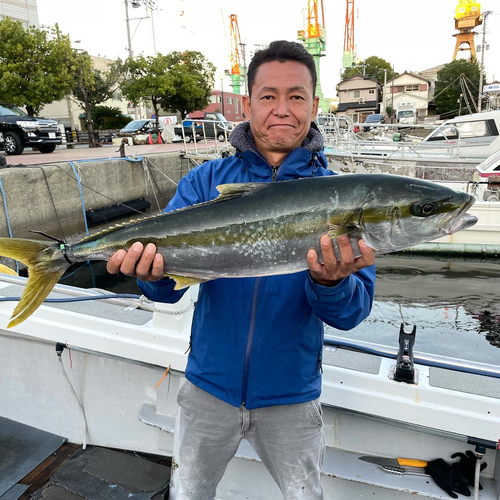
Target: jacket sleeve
[193, 188]
[346, 305]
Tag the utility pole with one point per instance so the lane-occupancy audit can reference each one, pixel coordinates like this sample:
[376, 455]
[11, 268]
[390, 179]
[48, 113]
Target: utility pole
[383, 91]
[129, 40]
[392, 94]
[480, 96]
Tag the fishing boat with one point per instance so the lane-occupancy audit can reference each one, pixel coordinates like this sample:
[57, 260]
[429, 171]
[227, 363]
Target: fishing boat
[104, 371]
[462, 142]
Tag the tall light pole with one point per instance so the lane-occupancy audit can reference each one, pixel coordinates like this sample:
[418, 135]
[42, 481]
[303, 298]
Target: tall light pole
[480, 96]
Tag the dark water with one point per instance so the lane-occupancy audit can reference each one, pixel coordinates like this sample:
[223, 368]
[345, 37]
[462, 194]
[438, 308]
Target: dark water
[454, 304]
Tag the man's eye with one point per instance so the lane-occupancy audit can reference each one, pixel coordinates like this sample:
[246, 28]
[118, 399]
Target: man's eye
[267, 97]
[297, 97]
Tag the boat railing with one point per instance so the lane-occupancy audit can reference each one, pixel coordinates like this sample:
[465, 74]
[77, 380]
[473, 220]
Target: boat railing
[342, 134]
[206, 147]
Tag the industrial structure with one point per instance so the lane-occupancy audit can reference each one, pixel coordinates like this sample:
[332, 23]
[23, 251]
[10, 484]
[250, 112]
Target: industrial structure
[348, 58]
[467, 17]
[237, 76]
[314, 39]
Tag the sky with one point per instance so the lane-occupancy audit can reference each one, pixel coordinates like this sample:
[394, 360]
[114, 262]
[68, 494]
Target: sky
[412, 36]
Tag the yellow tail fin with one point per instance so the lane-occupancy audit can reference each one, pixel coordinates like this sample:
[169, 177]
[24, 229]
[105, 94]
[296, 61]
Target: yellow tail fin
[44, 270]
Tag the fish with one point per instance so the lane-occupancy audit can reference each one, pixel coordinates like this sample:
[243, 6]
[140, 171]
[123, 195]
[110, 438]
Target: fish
[259, 229]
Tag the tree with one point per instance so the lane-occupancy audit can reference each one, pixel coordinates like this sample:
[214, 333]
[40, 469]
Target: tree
[372, 67]
[36, 65]
[146, 78]
[450, 85]
[106, 117]
[92, 87]
[193, 81]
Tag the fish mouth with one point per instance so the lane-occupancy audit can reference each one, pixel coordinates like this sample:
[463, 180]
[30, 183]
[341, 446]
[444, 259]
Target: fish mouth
[463, 220]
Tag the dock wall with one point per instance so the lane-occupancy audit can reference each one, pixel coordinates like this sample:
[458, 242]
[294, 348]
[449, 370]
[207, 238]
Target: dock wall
[53, 197]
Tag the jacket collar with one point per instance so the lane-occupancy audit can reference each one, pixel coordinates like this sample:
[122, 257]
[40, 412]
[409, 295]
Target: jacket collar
[300, 162]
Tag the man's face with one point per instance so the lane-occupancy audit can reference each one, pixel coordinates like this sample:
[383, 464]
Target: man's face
[282, 106]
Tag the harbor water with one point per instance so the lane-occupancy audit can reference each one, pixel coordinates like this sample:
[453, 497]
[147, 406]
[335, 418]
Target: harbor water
[453, 303]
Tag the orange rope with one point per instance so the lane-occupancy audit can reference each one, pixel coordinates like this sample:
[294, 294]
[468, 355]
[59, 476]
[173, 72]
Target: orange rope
[163, 378]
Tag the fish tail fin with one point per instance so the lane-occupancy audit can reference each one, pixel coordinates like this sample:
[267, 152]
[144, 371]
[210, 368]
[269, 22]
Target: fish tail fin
[44, 272]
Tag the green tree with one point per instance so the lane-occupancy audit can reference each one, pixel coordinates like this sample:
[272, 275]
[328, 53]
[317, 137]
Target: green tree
[36, 65]
[372, 67]
[107, 117]
[450, 84]
[146, 78]
[92, 87]
[193, 81]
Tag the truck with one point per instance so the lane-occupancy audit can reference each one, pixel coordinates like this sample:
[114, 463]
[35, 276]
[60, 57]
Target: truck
[406, 113]
[19, 130]
[212, 125]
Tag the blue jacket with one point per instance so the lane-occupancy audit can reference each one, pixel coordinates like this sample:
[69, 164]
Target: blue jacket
[259, 341]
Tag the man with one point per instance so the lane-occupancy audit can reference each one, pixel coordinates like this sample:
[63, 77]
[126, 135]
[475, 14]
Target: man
[254, 367]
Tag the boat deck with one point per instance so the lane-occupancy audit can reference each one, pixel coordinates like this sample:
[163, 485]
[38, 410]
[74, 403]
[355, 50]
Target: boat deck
[71, 472]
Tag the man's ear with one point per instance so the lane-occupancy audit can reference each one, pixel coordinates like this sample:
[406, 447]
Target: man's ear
[315, 108]
[246, 106]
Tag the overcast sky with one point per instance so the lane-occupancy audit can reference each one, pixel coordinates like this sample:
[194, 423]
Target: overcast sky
[411, 35]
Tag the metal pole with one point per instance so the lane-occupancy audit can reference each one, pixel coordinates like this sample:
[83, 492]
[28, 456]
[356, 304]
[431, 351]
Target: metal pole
[222, 92]
[383, 92]
[480, 96]
[392, 93]
[129, 40]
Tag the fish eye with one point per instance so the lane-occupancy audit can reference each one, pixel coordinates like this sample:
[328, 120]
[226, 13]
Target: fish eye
[427, 209]
[423, 209]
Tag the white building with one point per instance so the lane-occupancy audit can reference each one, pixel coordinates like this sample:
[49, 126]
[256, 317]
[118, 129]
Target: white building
[20, 10]
[407, 88]
[68, 111]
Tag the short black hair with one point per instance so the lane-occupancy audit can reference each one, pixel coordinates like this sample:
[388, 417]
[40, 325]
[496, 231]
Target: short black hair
[282, 51]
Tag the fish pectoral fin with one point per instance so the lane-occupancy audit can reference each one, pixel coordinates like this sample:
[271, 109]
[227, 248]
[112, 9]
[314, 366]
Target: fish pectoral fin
[228, 191]
[335, 231]
[184, 281]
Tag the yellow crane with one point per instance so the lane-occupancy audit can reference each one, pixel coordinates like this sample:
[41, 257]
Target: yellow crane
[467, 17]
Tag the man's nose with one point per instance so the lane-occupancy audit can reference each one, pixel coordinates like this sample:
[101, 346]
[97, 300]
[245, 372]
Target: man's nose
[281, 108]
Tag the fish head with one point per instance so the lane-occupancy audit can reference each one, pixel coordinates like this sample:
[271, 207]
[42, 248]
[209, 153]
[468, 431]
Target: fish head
[406, 212]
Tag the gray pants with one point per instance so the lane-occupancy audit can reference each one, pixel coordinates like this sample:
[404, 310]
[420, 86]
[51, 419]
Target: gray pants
[289, 440]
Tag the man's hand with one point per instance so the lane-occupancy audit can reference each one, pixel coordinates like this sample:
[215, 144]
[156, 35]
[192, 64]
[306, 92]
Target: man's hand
[137, 262]
[332, 271]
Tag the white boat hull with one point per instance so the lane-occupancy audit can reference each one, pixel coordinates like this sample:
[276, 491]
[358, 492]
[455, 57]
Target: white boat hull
[119, 355]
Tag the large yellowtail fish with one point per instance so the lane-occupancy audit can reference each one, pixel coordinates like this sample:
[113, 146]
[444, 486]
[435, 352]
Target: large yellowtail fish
[259, 230]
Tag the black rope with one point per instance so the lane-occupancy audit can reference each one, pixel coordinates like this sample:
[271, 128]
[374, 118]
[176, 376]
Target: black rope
[62, 244]
[53, 203]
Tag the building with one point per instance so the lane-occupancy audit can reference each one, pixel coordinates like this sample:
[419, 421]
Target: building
[359, 97]
[407, 88]
[227, 103]
[432, 75]
[20, 10]
[71, 115]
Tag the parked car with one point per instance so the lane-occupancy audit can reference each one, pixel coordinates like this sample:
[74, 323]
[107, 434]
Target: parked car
[208, 128]
[372, 119]
[136, 127]
[19, 130]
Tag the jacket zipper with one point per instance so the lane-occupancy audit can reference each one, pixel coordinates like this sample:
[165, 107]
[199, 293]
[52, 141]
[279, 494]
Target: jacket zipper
[251, 334]
[275, 172]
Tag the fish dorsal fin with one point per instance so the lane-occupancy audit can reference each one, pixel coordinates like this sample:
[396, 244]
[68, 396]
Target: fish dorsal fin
[228, 191]
[121, 225]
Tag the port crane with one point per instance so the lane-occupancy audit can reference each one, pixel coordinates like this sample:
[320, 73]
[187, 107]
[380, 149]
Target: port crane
[467, 17]
[237, 76]
[314, 39]
[348, 58]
